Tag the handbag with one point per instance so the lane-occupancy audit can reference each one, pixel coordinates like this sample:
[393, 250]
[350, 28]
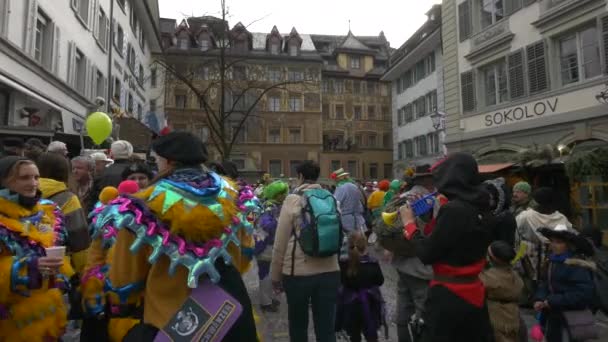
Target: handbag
[581, 324]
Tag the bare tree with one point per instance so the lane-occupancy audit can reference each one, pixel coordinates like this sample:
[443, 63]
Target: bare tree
[231, 91]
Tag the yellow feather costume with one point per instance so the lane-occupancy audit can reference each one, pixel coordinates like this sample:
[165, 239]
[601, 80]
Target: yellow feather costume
[29, 314]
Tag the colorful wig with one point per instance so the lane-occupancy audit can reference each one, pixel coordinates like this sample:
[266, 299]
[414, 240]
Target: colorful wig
[275, 189]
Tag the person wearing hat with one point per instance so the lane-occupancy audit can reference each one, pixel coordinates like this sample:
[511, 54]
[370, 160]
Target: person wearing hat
[521, 197]
[31, 302]
[376, 199]
[139, 172]
[504, 287]
[121, 152]
[12, 147]
[195, 244]
[101, 162]
[351, 200]
[544, 214]
[569, 284]
[58, 147]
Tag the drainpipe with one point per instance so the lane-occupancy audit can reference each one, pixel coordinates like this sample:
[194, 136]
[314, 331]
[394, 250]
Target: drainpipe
[110, 51]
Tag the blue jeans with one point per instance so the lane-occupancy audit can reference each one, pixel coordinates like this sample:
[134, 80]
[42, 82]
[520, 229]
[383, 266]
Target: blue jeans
[319, 291]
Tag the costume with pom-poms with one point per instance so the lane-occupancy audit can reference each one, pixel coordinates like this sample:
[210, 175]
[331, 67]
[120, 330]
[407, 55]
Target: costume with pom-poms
[31, 306]
[185, 226]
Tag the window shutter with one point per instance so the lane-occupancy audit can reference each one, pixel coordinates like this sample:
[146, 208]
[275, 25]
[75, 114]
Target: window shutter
[56, 49]
[88, 72]
[605, 42]
[115, 28]
[71, 74]
[107, 42]
[516, 74]
[537, 67]
[30, 26]
[93, 10]
[464, 20]
[468, 91]
[104, 91]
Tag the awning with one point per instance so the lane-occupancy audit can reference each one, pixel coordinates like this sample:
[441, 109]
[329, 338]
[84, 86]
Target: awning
[25, 131]
[491, 168]
[28, 92]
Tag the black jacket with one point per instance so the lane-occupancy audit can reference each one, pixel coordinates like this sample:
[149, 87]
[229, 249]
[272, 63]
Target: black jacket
[568, 285]
[112, 175]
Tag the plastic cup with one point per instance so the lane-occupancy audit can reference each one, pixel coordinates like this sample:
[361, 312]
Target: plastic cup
[55, 252]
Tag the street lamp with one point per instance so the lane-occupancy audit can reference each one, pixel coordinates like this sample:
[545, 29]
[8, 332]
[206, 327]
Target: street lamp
[602, 97]
[437, 119]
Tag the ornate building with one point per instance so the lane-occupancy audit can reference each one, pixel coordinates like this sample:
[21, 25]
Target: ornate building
[356, 105]
[273, 88]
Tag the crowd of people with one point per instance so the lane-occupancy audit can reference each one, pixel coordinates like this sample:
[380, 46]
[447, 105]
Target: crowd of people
[120, 249]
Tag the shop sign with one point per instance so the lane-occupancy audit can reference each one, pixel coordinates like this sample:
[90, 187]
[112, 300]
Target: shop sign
[523, 112]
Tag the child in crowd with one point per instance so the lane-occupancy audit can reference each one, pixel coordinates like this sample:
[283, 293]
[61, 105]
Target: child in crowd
[504, 287]
[360, 304]
[566, 295]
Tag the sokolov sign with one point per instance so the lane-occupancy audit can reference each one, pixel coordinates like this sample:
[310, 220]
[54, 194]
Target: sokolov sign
[537, 109]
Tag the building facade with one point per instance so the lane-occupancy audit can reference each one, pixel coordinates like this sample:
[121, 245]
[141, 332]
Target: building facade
[356, 125]
[416, 76]
[520, 73]
[271, 84]
[58, 57]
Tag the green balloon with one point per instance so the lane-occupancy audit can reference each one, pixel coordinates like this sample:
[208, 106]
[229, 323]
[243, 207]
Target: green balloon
[395, 184]
[99, 127]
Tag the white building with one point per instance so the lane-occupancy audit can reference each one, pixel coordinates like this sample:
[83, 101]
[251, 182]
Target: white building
[57, 57]
[416, 74]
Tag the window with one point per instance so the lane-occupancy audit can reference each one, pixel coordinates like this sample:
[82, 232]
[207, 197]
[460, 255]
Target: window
[274, 135]
[325, 86]
[120, 40]
[358, 139]
[43, 46]
[372, 141]
[121, 3]
[81, 71]
[352, 167]
[274, 104]
[142, 39]
[373, 170]
[131, 57]
[339, 112]
[491, 12]
[141, 75]
[295, 104]
[420, 107]
[464, 20]
[386, 140]
[325, 110]
[579, 56]
[239, 133]
[386, 114]
[152, 106]
[516, 74]
[537, 68]
[184, 42]
[275, 167]
[129, 103]
[295, 75]
[467, 91]
[408, 113]
[204, 44]
[495, 83]
[401, 150]
[140, 112]
[371, 112]
[356, 87]
[295, 135]
[81, 8]
[100, 88]
[431, 101]
[338, 86]
[419, 71]
[335, 164]
[274, 48]
[180, 101]
[371, 88]
[430, 63]
[433, 142]
[357, 110]
[409, 148]
[274, 75]
[116, 89]
[293, 166]
[420, 145]
[153, 78]
[388, 170]
[133, 19]
[406, 80]
[102, 28]
[293, 50]
[355, 62]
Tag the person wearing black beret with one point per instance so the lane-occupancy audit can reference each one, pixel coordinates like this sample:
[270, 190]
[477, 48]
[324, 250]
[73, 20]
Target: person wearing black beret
[138, 172]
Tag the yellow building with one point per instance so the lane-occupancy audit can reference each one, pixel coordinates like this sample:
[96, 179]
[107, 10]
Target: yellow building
[357, 132]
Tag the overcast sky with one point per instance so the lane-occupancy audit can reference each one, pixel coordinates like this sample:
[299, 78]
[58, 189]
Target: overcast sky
[399, 19]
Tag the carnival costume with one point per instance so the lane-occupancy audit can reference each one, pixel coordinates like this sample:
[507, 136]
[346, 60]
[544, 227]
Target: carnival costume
[31, 306]
[163, 239]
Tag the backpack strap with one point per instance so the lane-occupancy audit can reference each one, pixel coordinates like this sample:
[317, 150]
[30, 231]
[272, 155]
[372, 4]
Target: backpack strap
[295, 237]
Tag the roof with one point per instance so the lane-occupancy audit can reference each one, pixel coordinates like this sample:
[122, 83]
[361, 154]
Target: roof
[352, 43]
[491, 168]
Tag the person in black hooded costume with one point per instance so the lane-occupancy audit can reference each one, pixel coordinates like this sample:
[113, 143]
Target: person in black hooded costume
[456, 308]
[503, 221]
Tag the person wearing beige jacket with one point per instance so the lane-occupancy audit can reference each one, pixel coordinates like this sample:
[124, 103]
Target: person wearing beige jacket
[304, 279]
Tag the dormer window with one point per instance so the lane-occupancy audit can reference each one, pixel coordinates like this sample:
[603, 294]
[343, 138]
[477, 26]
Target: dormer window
[241, 45]
[355, 62]
[293, 49]
[183, 42]
[204, 44]
[274, 48]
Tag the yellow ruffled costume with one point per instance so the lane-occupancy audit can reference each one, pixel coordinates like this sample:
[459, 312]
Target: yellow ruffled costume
[36, 314]
[163, 294]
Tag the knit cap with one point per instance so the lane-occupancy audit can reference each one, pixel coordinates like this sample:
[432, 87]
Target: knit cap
[523, 187]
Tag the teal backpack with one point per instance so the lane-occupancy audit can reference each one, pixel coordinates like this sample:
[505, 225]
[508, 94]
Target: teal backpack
[321, 232]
